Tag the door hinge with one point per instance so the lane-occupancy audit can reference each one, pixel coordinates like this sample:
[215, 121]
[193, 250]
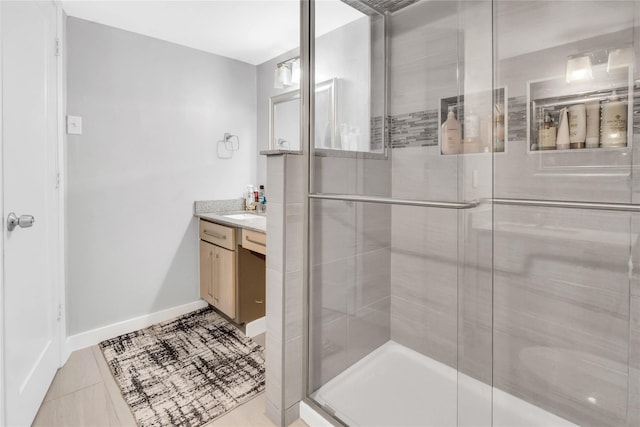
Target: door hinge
[58, 47]
[57, 179]
[59, 312]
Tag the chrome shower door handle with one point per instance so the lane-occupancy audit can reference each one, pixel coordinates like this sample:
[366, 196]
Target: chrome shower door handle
[24, 221]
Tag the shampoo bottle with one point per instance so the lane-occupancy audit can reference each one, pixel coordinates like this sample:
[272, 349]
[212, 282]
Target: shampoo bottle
[562, 140]
[547, 134]
[593, 124]
[577, 125]
[450, 134]
[471, 142]
[498, 144]
[614, 123]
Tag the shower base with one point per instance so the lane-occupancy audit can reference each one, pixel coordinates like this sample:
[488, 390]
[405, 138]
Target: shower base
[396, 386]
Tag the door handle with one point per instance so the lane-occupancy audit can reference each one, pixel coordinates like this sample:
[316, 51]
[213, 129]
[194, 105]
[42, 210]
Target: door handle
[24, 221]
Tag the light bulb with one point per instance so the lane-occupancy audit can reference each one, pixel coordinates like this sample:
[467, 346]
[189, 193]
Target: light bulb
[277, 78]
[295, 71]
[286, 74]
[579, 68]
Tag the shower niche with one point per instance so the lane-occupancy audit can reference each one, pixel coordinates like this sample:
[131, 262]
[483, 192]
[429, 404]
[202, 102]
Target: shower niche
[482, 120]
[598, 113]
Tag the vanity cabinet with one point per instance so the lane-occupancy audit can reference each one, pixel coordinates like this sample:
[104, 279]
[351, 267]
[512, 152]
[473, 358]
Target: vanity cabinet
[218, 267]
[232, 270]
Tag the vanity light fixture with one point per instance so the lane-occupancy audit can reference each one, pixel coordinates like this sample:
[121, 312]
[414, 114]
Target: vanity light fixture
[287, 73]
[579, 68]
[619, 58]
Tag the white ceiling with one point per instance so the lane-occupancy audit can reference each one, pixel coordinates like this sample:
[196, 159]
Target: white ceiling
[252, 31]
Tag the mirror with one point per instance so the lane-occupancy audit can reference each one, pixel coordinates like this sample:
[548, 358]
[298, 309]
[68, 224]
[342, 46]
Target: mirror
[284, 121]
[325, 115]
[353, 55]
[284, 118]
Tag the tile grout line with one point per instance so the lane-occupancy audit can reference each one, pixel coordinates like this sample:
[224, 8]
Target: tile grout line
[95, 349]
[74, 391]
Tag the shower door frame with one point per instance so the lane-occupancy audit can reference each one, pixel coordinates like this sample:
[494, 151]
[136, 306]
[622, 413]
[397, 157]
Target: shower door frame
[307, 111]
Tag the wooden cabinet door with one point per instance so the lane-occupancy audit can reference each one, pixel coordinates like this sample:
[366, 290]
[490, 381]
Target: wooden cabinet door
[206, 271]
[224, 281]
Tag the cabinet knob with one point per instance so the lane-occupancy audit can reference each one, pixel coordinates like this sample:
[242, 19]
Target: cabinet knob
[259, 301]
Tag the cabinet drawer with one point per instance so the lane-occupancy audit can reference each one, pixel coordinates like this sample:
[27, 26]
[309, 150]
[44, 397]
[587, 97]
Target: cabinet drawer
[218, 234]
[254, 241]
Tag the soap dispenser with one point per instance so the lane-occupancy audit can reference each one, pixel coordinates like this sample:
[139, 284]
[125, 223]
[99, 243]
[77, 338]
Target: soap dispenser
[450, 134]
[547, 134]
[614, 122]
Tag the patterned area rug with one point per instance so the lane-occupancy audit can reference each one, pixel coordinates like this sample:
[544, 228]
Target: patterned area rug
[187, 371]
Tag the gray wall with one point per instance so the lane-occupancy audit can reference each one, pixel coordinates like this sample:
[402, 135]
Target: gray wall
[283, 352]
[152, 113]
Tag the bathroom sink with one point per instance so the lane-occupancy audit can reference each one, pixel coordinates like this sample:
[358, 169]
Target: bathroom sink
[242, 216]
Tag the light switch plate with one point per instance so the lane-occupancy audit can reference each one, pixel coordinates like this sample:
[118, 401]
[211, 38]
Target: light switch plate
[74, 125]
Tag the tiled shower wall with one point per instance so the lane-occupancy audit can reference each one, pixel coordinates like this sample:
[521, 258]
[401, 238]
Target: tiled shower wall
[560, 314]
[563, 306]
[435, 249]
[350, 265]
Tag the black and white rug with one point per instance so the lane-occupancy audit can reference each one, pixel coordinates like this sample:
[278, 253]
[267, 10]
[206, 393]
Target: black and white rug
[187, 371]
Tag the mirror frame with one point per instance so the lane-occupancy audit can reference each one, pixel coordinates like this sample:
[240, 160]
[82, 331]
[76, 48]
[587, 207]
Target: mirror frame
[273, 101]
[328, 86]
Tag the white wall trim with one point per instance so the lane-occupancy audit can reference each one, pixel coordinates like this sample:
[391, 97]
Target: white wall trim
[2, 302]
[256, 327]
[95, 336]
[62, 188]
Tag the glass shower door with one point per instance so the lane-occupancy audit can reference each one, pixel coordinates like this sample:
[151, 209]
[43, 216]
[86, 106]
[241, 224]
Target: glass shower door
[400, 247]
[565, 300]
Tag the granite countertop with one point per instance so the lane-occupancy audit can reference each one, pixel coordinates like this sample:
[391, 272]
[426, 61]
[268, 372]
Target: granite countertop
[259, 223]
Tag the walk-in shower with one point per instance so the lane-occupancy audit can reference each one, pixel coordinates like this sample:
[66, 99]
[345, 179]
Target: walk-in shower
[473, 215]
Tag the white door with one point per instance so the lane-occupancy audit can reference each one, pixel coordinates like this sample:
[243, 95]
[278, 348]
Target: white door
[29, 135]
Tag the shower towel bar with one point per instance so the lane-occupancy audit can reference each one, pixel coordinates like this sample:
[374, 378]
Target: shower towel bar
[392, 201]
[621, 207]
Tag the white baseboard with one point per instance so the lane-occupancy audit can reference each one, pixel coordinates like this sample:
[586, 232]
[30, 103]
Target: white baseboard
[256, 327]
[94, 336]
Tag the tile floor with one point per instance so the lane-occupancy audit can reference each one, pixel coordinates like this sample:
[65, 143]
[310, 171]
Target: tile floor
[84, 393]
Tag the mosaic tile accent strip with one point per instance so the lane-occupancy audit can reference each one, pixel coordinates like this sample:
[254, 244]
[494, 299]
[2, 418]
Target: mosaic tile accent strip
[417, 129]
[517, 124]
[420, 129]
[377, 133]
[379, 5]
[636, 110]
